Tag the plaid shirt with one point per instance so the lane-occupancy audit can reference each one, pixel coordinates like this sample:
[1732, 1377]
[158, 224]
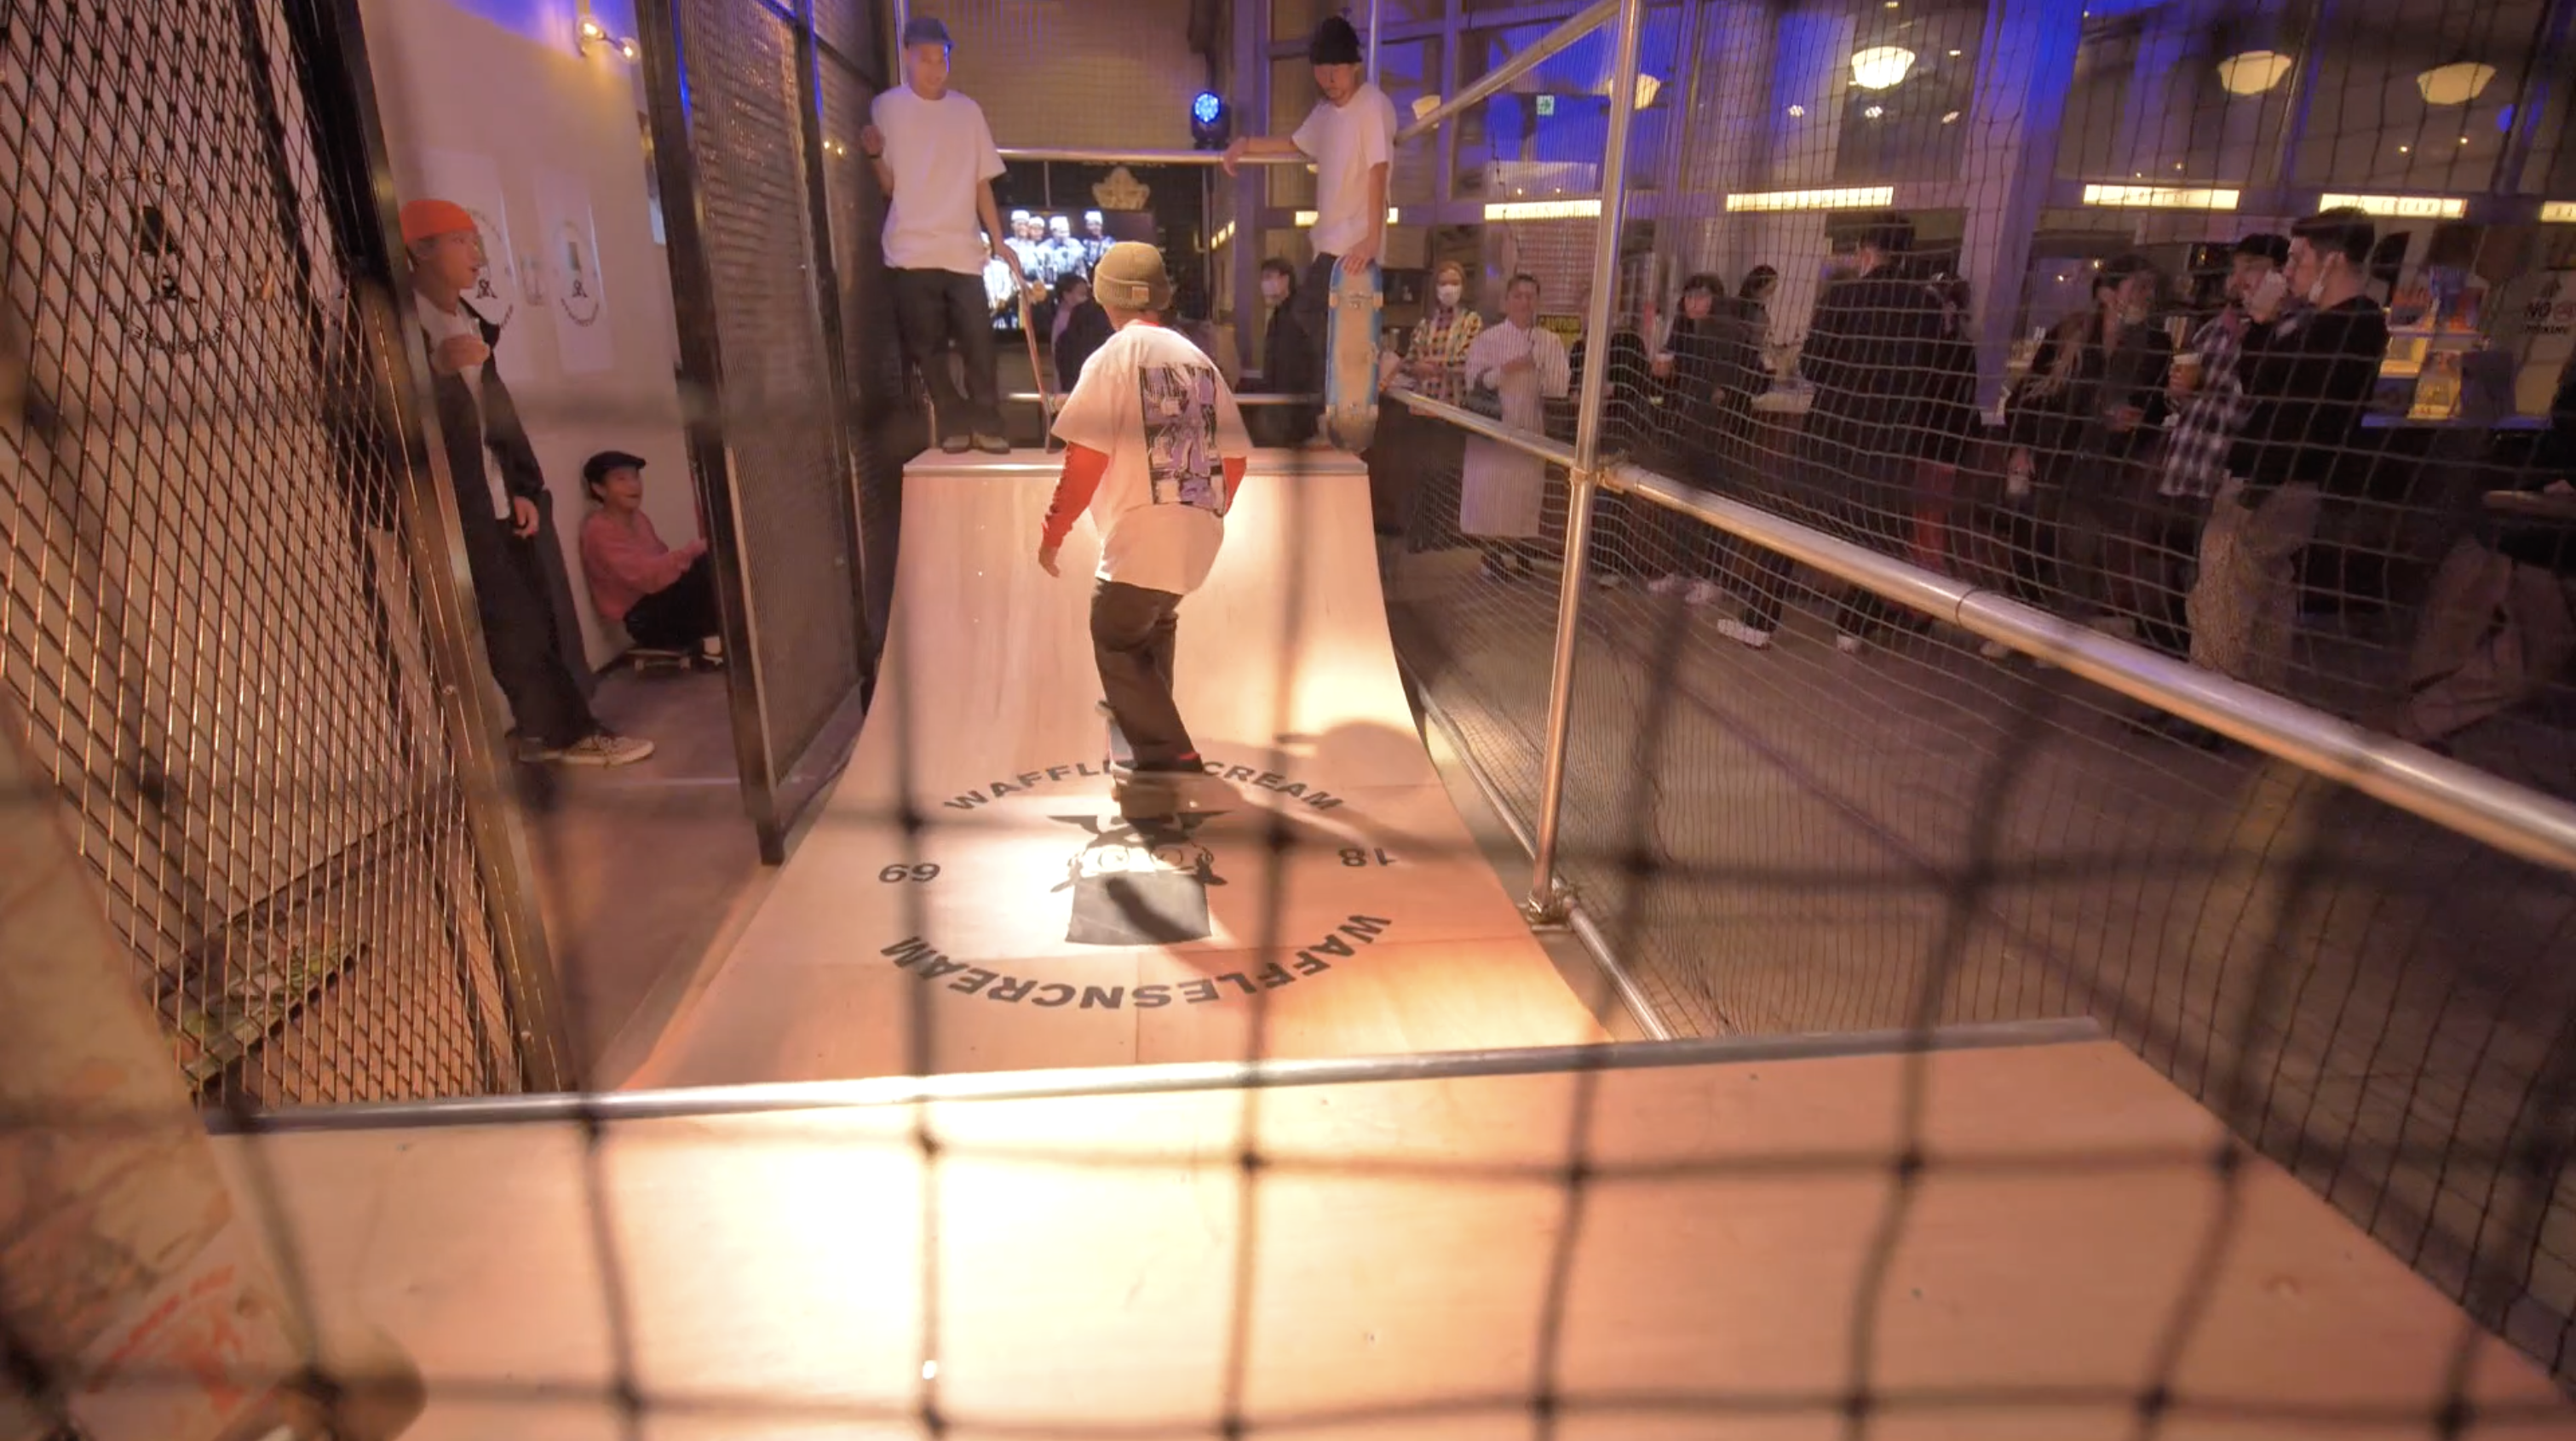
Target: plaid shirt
[2205, 426]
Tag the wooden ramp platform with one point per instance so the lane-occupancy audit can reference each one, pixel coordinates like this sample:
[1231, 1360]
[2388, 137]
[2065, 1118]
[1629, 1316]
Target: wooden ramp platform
[1393, 1259]
[956, 904]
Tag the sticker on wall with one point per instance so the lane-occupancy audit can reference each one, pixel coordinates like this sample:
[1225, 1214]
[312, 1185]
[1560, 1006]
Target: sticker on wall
[142, 235]
[474, 181]
[569, 263]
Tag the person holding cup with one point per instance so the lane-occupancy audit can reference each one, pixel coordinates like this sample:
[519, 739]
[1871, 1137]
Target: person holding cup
[2209, 411]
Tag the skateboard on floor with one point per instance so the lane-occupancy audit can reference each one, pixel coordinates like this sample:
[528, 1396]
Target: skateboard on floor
[1038, 372]
[1350, 358]
[1156, 796]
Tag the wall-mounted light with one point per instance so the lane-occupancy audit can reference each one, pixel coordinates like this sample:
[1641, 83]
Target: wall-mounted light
[1647, 88]
[2252, 72]
[1543, 210]
[2457, 83]
[1951, 118]
[1874, 112]
[1880, 66]
[2558, 212]
[2160, 197]
[2403, 207]
[595, 36]
[1424, 104]
[1305, 219]
[1850, 197]
[1797, 112]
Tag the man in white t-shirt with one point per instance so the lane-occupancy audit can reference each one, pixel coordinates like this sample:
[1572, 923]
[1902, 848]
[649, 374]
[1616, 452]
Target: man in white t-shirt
[1154, 450]
[1350, 135]
[935, 159]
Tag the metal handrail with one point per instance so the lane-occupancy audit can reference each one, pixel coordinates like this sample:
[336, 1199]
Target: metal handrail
[1031, 397]
[1530, 442]
[2516, 819]
[1148, 1080]
[1074, 155]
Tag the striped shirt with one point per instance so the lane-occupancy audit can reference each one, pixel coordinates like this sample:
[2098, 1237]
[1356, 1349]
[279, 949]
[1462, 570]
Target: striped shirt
[2207, 424]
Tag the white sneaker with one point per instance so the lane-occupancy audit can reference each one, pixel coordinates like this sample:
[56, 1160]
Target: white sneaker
[1667, 585]
[1745, 635]
[606, 748]
[1848, 643]
[1703, 592]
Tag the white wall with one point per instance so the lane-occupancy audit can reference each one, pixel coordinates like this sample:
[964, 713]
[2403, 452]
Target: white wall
[501, 80]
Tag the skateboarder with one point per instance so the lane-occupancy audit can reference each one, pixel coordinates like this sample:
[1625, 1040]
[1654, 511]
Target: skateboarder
[935, 161]
[1350, 135]
[1154, 449]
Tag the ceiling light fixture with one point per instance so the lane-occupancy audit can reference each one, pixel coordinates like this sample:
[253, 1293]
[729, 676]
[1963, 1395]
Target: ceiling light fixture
[1880, 66]
[2457, 83]
[2252, 72]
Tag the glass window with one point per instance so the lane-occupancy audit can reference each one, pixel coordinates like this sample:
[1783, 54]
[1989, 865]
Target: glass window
[1544, 136]
[1909, 82]
[2416, 99]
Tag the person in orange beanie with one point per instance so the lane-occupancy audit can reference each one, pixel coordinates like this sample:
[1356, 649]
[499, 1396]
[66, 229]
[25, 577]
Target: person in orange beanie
[499, 488]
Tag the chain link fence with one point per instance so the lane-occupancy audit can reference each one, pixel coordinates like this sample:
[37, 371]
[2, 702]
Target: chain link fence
[1962, 286]
[221, 614]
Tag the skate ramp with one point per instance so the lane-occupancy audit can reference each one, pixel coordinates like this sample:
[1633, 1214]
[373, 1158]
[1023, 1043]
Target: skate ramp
[968, 899]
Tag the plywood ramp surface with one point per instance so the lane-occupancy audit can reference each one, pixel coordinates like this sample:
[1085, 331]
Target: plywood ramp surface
[1400, 1259]
[952, 907]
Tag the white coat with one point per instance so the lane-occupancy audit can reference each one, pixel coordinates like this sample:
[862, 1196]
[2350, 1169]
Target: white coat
[1503, 490]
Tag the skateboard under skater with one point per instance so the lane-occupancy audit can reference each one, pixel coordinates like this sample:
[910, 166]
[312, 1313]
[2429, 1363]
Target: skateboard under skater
[1156, 795]
[1350, 358]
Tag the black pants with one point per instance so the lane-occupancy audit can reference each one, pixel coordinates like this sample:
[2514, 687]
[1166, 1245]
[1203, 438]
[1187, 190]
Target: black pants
[680, 615]
[519, 629]
[1133, 634]
[936, 309]
[1313, 303]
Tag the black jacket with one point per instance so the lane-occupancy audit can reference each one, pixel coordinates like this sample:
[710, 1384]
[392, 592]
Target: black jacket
[488, 433]
[1875, 350]
[2072, 417]
[2310, 375]
[1084, 334]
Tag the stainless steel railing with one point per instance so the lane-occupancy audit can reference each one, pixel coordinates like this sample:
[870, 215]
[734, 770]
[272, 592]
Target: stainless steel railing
[2512, 818]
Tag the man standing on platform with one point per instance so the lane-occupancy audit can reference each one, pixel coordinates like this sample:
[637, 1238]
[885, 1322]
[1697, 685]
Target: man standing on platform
[1350, 135]
[1154, 449]
[498, 491]
[934, 157]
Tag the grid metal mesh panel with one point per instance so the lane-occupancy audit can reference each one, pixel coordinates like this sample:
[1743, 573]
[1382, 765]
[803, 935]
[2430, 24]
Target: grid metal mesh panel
[1795, 808]
[793, 498]
[207, 621]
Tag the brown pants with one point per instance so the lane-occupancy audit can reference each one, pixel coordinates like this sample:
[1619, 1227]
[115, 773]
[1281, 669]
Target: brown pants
[2244, 606]
[2495, 633]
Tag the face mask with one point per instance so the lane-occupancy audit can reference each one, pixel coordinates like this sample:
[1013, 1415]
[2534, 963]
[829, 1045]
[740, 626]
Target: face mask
[1449, 294]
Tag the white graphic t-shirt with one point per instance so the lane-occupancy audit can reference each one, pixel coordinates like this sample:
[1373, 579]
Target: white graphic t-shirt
[1346, 142]
[1156, 406]
[941, 152]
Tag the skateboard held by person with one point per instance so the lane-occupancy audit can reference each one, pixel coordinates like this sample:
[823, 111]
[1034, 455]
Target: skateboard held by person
[1351, 357]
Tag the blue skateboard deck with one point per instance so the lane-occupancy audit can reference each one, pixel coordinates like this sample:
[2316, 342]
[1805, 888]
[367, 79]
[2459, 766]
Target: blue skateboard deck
[1350, 358]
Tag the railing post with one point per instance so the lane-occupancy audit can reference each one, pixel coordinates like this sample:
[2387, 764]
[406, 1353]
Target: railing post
[1544, 900]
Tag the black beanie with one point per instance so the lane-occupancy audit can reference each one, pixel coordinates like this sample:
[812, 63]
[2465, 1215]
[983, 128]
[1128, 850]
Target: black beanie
[1335, 43]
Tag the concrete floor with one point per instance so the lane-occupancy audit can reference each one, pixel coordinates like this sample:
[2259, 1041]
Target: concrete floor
[1799, 840]
[646, 871]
